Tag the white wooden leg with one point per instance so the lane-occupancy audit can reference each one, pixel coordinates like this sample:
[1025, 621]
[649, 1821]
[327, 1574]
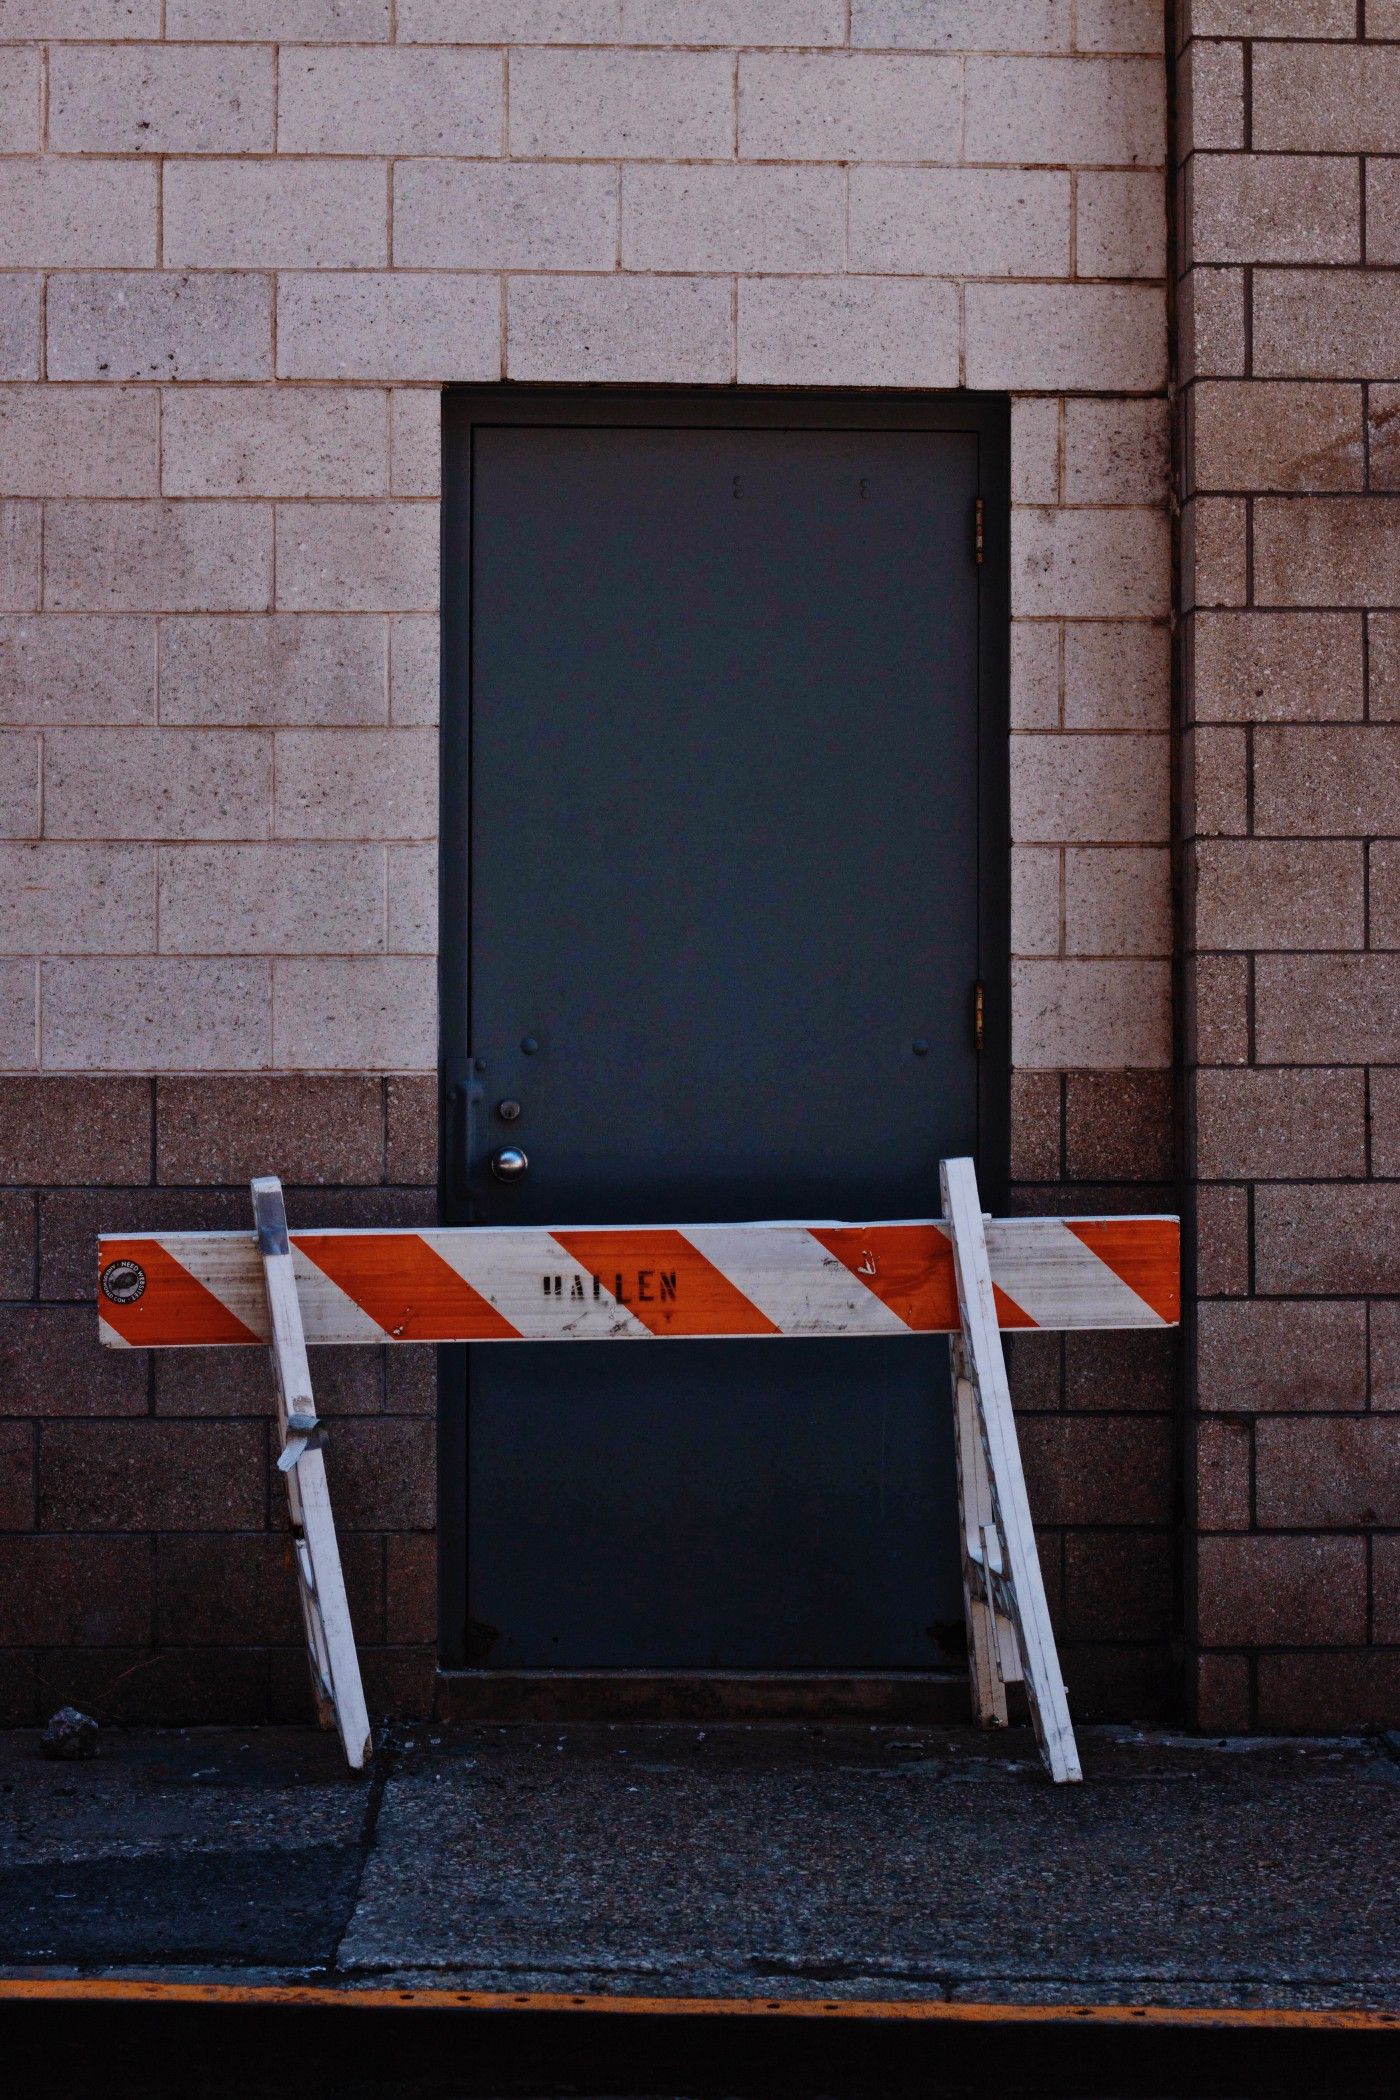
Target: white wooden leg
[330, 1639]
[1014, 1586]
[974, 1515]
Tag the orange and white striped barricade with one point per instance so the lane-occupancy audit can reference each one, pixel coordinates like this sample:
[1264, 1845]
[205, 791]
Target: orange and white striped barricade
[963, 1275]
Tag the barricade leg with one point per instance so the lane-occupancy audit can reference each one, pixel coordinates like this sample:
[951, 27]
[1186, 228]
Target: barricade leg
[1003, 1579]
[330, 1640]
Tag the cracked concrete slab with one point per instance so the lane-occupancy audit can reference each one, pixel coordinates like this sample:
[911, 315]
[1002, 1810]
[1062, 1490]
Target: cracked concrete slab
[829, 1862]
[795, 1862]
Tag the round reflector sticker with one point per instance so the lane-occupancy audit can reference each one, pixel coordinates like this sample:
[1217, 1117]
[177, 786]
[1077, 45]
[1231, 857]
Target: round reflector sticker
[123, 1282]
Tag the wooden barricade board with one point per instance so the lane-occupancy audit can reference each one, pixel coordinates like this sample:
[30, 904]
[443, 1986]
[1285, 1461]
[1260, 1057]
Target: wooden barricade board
[529, 1283]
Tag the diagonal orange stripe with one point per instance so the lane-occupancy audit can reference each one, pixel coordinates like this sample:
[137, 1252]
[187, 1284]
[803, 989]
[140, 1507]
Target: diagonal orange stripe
[412, 1293]
[1009, 1313]
[908, 1267]
[666, 1282]
[175, 1310]
[1144, 1252]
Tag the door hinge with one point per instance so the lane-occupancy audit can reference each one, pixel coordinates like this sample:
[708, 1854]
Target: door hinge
[979, 522]
[979, 1018]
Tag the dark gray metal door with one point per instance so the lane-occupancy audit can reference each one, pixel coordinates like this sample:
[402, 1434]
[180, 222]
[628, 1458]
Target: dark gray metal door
[715, 795]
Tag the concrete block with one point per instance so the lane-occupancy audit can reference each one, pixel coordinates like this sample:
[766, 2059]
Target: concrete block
[626, 329]
[1383, 211]
[1117, 452]
[20, 104]
[962, 25]
[357, 784]
[1383, 633]
[1104, 788]
[75, 900]
[160, 325]
[1098, 1016]
[1117, 675]
[1277, 666]
[1035, 674]
[1035, 900]
[1223, 1264]
[357, 557]
[514, 215]
[1327, 1009]
[415, 441]
[335, 99]
[20, 330]
[310, 669]
[847, 331]
[1263, 1358]
[414, 674]
[1383, 878]
[413, 900]
[1120, 224]
[1272, 207]
[1035, 449]
[1325, 1474]
[982, 222]
[1281, 434]
[1211, 91]
[1315, 550]
[1214, 784]
[21, 538]
[265, 21]
[1214, 552]
[1118, 25]
[19, 1037]
[1326, 324]
[1326, 98]
[1085, 112]
[156, 1014]
[849, 108]
[1280, 1125]
[1090, 563]
[1118, 900]
[20, 801]
[621, 105]
[157, 784]
[356, 1013]
[1091, 338]
[275, 441]
[283, 214]
[158, 557]
[1256, 1591]
[1384, 1085]
[79, 441]
[217, 1131]
[742, 218]
[1217, 1011]
[54, 20]
[1279, 893]
[381, 325]
[1383, 432]
[745, 22]
[162, 98]
[1211, 324]
[1273, 18]
[510, 22]
[77, 214]
[1325, 781]
[271, 900]
[55, 669]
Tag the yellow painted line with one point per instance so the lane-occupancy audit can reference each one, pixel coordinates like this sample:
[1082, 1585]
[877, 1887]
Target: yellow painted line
[133, 1991]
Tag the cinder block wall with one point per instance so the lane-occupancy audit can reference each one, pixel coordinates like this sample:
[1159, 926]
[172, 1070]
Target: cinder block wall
[234, 276]
[1290, 346]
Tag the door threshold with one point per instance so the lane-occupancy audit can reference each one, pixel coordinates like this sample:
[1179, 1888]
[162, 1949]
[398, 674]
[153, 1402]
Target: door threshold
[914, 1697]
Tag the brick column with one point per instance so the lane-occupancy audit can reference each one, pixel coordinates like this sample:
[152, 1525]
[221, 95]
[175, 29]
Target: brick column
[1289, 300]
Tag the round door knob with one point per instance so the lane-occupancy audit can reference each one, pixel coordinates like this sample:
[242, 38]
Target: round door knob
[509, 1164]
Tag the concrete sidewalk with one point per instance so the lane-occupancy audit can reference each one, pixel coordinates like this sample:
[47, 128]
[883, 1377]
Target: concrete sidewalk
[813, 1862]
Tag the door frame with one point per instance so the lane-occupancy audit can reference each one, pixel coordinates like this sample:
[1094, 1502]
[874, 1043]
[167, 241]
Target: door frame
[467, 408]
